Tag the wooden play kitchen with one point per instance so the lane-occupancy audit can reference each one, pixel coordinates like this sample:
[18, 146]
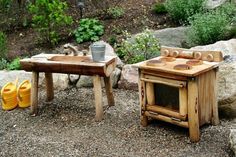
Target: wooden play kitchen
[82, 65]
[180, 87]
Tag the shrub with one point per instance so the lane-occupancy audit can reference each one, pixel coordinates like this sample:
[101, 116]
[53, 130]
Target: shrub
[142, 47]
[14, 65]
[115, 12]
[181, 10]
[5, 4]
[212, 26]
[88, 30]
[3, 45]
[3, 64]
[48, 18]
[159, 8]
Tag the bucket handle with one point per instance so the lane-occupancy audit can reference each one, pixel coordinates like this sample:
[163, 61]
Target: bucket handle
[18, 93]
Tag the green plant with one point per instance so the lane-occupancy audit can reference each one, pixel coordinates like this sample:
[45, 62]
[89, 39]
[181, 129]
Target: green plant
[181, 10]
[48, 18]
[212, 26]
[5, 4]
[3, 45]
[88, 30]
[14, 65]
[3, 64]
[142, 47]
[112, 40]
[159, 8]
[116, 12]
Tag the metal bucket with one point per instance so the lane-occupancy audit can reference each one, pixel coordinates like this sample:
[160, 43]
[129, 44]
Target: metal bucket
[98, 52]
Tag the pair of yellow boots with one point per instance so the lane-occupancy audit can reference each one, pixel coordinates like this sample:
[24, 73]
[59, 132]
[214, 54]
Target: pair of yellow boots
[12, 95]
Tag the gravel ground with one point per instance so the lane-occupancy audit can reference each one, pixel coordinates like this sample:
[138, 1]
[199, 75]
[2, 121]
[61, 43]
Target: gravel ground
[66, 127]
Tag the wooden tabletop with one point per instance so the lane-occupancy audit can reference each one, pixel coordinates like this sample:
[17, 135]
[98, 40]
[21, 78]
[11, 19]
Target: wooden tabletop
[59, 63]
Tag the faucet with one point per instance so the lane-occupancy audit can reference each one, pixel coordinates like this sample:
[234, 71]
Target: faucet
[68, 49]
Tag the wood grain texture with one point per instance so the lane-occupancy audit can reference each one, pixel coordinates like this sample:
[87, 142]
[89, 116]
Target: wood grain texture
[150, 93]
[34, 93]
[183, 101]
[215, 114]
[169, 67]
[108, 87]
[142, 101]
[98, 97]
[49, 87]
[193, 107]
[167, 119]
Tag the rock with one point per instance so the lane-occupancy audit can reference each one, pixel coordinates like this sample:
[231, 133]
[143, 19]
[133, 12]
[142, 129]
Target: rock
[212, 4]
[232, 140]
[110, 52]
[227, 75]
[129, 78]
[87, 81]
[73, 79]
[10, 76]
[60, 81]
[174, 37]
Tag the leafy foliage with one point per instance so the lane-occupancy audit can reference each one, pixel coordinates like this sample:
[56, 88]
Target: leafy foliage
[159, 8]
[14, 65]
[48, 18]
[3, 64]
[212, 26]
[142, 47]
[116, 12]
[88, 30]
[3, 45]
[181, 10]
[5, 4]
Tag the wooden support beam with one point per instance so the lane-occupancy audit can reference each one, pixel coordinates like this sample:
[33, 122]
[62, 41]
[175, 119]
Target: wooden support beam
[108, 87]
[150, 93]
[193, 118]
[167, 119]
[183, 101]
[142, 100]
[34, 93]
[215, 114]
[98, 97]
[49, 87]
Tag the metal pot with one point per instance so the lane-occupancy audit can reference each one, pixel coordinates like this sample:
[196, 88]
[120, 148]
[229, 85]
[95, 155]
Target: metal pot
[98, 51]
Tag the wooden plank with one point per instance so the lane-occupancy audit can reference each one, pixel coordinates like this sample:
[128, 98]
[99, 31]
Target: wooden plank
[169, 67]
[108, 87]
[165, 111]
[98, 97]
[193, 110]
[170, 82]
[215, 116]
[150, 93]
[191, 53]
[142, 100]
[49, 87]
[163, 74]
[34, 93]
[167, 119]
[183, 101]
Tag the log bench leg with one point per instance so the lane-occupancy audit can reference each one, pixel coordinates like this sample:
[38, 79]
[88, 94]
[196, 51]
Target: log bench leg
[108, 87]
[193, 119]
[34, 93]
[49, 87]
[98, 97]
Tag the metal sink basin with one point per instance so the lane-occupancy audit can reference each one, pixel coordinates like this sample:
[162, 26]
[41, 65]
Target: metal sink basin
[71, 59]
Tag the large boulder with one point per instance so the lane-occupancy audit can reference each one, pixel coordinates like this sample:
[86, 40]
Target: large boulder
[227, 75]
[211, 4]
[87, 81]
[173, 37]
[129, 77]
[232, 140]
